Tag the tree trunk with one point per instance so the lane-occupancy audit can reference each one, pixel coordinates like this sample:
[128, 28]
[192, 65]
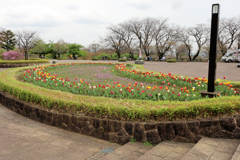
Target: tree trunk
[26, 55]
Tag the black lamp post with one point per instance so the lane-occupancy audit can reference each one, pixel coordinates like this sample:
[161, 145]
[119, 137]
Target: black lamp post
[213, 47]
[213, 53]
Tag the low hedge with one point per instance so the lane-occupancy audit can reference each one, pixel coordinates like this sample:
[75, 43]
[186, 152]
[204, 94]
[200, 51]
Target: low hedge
[171, 60]
[120, 109]
[94, 59]
[122, 60]
[24, 61]
[60, 58]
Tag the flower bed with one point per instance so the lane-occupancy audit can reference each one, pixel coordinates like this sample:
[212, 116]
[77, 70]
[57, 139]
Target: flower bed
[167, 87]
[120, 109]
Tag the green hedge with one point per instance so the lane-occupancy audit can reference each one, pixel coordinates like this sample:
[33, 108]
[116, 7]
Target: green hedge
[122, 60]
[120, 109]
[171, 60]
[24, 61]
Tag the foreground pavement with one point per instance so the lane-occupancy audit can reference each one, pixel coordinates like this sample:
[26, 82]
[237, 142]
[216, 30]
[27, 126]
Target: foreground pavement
[24, 139]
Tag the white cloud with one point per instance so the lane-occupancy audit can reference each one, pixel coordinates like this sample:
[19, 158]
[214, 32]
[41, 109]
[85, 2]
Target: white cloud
[83, 21]
[140, 4]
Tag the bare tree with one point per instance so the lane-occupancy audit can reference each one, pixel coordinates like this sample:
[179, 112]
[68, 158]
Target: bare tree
[180, 50]
[27, 40]
[94, 47]
[185, 38]
[60, 47]
[165, 38]
[114, 40]
[200, 34]
[228, 31]
[144, 31]
[127, 36]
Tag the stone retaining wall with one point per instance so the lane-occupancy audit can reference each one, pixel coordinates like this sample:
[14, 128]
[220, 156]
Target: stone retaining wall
[122, 131]
[20, 65]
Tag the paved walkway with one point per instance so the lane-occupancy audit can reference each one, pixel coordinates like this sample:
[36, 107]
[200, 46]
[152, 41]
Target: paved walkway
[192, 69]
[25, 139]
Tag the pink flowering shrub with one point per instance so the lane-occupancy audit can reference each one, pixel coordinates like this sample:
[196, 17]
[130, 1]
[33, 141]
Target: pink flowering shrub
[12, 55]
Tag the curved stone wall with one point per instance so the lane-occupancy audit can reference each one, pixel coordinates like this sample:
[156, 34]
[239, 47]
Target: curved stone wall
[122, 131]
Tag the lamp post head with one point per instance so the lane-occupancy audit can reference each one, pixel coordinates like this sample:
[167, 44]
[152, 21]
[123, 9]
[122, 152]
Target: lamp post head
[215, 8]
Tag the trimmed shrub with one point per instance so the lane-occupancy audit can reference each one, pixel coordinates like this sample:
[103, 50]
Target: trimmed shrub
[95, 58]
[171, 61]
[24, 61]
[122, 60]
[12, 55]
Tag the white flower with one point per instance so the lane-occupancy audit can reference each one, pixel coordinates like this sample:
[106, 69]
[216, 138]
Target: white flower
[159, 94]
[120, 89]
[142, 86]
[94, 86]
[172, 88]
[132, 89]
[186, 94]
[180, 93]
[202, 85]
[194, 95]
[34, 77]
[68, 82]
[231, 88]
[193, 87]
[89, 86]
[168, 90]
[234, 91]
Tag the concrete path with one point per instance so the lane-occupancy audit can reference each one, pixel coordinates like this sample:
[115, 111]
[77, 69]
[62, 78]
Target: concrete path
[25, 139]
[192, 69]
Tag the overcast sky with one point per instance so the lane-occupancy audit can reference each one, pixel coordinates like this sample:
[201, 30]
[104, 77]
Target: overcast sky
[84, 21]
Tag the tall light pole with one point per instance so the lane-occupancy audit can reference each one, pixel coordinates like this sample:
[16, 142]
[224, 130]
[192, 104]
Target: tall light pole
[213, 53]
[213, 47]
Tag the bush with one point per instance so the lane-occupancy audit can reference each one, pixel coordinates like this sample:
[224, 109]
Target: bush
[12, 55]
[171, 61]
[103, 55]
[122, 60]
[94, 58]
[25, 61]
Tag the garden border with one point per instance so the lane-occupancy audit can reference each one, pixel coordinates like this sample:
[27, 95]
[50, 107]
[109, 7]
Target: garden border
[20, 65]
[122, 131]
